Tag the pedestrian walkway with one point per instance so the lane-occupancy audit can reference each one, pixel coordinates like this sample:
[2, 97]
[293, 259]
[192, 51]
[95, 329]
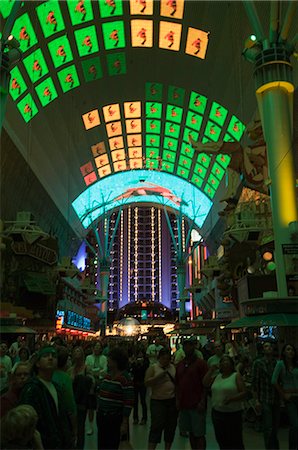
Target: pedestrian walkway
[253, 440]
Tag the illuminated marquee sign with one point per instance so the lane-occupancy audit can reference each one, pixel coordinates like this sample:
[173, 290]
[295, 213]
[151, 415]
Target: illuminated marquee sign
[142, 186]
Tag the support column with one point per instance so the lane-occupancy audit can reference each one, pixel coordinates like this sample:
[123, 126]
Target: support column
[181, 280]
[275, 104]
[104, 275]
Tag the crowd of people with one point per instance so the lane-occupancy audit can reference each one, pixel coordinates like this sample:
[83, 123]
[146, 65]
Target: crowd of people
[48, 396]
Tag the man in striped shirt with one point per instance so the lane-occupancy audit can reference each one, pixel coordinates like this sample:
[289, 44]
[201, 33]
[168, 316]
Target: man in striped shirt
[115, 401]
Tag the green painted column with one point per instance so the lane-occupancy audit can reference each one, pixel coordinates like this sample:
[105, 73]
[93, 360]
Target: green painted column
[104, 275]
[181, 280]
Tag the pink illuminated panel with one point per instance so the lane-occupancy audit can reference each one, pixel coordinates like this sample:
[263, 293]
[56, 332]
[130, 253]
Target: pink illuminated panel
[91, 119]
[86, 168]
[91, 178]
[170, 35]
[197, 42]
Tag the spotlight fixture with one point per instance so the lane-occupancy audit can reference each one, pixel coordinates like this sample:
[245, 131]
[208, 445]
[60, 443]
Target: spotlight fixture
[267, 255]
[252, 48]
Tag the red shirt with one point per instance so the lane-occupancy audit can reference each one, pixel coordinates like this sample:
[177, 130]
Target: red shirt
[189, 382]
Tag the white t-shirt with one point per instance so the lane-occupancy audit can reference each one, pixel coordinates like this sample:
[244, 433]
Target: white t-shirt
[223, 388]
[52, 390]
[152, 353]
[164, 388]
[5, 369]
[97, 365]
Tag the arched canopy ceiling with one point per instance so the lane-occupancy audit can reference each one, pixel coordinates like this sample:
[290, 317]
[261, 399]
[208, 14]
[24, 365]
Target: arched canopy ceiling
[109, 91]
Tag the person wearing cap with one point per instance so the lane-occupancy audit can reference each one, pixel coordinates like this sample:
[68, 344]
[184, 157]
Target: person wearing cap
[191, 395]
[46, 397]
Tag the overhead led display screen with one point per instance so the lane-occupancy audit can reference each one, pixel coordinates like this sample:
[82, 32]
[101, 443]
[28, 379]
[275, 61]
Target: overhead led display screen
[23, 31]
[142, 186]
[50, 17]
[27, 108]
[36, 65]
[142, 33]
[92, 69]
[172, 8]
[86, 39]
[68, 78]
[110, 8]
[141, 7]
[17, 84]
[46, 91]
[60, 51]
[80, 11]
[197, 42]
[116, 64]
[170, 35]
[113, 34]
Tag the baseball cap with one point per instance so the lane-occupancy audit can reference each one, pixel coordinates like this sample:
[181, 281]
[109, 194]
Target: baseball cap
[45, 351]
[190, 340]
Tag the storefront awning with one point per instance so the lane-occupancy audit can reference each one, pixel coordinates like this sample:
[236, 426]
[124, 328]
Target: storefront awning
[280, 320]
[15, 329]
[39, 282]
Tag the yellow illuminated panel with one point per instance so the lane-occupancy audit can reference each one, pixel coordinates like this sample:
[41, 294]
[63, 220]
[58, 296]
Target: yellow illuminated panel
[135, 152]
[142, 33]
[197, 42]
[91, 119]
[111, 112]
[133, 126]
[132, 110]
[141, 7]
[104, 171]
[116, 143]
[170, 35]
[119, 165]
[136, 163]
[102, 160]
[98, 149]
[114, 129]
[118, 155]
[134, 140]
[172, 8]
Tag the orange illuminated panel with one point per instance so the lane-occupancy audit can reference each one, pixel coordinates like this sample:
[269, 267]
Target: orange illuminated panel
[91, 178]
[111, 112]
[140, 7]
[133, 126]
[114, 129]
[132, 110]
[197, 42]
[118, 155]
[86, 168]
[102, 160]
[134, 140]
[142, 33]
[104, 171]
[98, 149]
[135, 152]
[172, 8]
[116, 143]
[91, 119]
[136, 163]
[119, 165]
[170, 35]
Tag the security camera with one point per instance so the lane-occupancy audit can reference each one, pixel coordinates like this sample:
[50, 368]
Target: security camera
[12, 42]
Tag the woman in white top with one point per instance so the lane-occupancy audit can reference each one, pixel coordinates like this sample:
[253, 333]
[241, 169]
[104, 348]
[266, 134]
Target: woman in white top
[161, 378]
[227, 393]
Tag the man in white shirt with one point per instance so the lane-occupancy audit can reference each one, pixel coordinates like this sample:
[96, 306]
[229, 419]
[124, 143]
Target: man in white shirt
[153, 351]
[5, 367]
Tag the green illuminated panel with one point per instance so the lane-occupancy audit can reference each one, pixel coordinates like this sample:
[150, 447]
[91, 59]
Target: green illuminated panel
[174, 113]
[23, 31]
[80, 11]
[60, 51]
[182, 172]
[154, 92]
[86, 39]
[184, 162]
[27, 107]
[205, 139]
[113, 34]
[168, 156]
[204, 159]
[209, 191]
[152, 163]
[17, 85]
[218, 171]
[212, 131]
[50, 17]
[152, 140]
[228, 138]
[36, 65]
[152, 153]
[46, 91]
[153, 126]
[187, 150]
[213, 181]
[190, 132]
[167, 166]
[223, 160]
[68, 78]
[172, 129]
[218, 113]
[153, 110]
[116, 64]
[200, 170]
[176, 95]
[197, 103]
[236, 128]
[194, 120]
[92, 69]
[6, 7]
[170, 144]
[197, 180]
[110, 8]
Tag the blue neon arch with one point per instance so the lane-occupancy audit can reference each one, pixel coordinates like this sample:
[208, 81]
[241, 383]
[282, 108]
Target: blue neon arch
[142, 186]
